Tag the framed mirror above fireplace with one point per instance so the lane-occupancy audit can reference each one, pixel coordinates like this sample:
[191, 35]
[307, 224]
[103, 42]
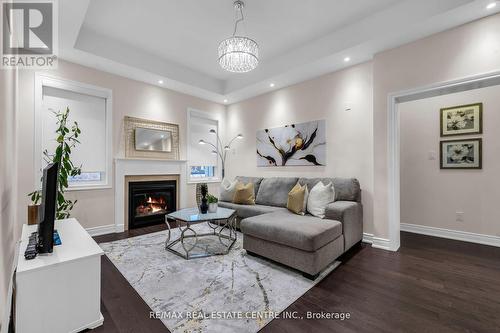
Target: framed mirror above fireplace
[147, 139]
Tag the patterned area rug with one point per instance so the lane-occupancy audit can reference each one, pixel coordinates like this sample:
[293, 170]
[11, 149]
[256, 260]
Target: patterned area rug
[227, 293]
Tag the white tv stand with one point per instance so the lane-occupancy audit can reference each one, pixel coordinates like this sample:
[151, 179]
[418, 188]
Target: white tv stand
[59, 292]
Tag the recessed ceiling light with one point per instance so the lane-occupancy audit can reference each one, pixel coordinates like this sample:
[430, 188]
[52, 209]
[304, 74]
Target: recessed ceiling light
[225, 101]
[160, 81]
[347, 59]
[271, 85]
[491, 5]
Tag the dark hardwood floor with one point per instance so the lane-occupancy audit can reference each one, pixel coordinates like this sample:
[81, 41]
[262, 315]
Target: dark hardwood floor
[430, 285]
[121, 306]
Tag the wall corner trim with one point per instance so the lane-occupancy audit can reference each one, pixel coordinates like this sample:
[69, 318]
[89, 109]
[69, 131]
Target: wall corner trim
[452, 234]
[378, 242]
[367, 238]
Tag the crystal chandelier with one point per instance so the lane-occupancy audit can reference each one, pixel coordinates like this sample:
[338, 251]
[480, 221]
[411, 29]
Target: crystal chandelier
[237, 53]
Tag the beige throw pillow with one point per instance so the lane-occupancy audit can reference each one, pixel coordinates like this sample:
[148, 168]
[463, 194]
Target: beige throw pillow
[319, 197]
[297, 199]
[244, 194]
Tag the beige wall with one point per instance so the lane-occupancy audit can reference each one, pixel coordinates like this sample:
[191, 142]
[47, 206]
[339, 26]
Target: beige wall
[130, 98]
[8, 169]
[465, 51]
[430, 196]
[349, 133]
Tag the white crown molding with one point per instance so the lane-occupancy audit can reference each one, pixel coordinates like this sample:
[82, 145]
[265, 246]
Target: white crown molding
[130, 72]
[452, 234]
[94, 43]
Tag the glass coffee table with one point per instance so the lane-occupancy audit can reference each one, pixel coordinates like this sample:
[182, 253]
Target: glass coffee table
[218, 241]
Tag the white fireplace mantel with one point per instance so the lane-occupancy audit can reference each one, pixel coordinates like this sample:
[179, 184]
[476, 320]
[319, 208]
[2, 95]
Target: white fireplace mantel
[145, 167]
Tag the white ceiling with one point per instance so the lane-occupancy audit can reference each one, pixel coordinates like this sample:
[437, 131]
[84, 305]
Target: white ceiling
[176, 40]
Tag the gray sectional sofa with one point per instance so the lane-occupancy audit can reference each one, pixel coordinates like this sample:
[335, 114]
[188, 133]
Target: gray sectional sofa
[306, 243]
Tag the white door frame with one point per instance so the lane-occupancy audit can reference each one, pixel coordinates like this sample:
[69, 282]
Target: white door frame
[393, 136]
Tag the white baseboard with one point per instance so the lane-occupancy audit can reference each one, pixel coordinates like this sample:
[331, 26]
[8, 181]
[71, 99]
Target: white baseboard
[367, 238]
[377, 242]
[102, 230]
[452, 234]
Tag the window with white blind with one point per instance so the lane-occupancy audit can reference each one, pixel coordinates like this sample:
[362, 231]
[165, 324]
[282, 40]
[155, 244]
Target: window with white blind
[203, 161]
[90, 107]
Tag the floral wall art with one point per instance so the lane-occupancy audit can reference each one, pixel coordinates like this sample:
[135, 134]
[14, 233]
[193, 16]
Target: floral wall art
[462, 120]
[295, 144]
[461, 154]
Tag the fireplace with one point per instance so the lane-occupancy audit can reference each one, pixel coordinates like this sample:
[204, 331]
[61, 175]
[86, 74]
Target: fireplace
[149, 201]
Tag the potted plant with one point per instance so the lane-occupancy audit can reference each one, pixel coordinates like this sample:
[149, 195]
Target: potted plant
[212, 203]
[67, 139]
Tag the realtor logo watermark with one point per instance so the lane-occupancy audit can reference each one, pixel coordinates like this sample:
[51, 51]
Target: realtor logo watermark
[29, 34]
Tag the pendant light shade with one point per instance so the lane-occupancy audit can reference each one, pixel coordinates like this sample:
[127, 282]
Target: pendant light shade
[238, 54]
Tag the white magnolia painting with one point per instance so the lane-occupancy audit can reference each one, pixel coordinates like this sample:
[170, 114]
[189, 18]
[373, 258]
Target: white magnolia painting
[461, 154]
[295, 144]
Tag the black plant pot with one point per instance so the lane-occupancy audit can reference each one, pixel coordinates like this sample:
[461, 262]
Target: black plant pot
[204, 205]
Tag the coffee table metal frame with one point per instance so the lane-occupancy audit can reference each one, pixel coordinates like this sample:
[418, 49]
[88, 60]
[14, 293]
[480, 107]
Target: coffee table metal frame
[217, 226]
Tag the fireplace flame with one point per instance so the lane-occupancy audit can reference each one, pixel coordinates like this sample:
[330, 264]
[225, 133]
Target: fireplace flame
[152, 205]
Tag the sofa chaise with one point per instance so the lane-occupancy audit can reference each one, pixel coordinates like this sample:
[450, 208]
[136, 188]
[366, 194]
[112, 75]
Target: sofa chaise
[304, 242]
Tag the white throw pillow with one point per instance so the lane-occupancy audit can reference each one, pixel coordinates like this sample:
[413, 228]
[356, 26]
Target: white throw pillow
[319, 197]
[227, 189]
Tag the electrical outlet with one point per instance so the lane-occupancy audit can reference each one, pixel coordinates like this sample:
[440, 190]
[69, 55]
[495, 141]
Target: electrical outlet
[460, 216]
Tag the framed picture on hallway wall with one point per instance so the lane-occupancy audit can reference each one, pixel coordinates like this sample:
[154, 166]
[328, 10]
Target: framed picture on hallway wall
[295, 144]
[462, 120]
[461, 154]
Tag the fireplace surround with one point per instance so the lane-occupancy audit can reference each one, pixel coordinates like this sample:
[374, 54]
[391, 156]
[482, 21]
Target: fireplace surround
[136, 170]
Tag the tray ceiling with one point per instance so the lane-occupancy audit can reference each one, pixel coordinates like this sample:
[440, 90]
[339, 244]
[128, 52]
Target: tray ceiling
[176, 41]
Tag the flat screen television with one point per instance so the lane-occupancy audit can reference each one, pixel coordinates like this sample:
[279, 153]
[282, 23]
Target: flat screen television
[47, 210]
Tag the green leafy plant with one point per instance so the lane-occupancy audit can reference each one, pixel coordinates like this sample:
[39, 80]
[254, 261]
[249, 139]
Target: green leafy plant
[212, 199]
[67, 139]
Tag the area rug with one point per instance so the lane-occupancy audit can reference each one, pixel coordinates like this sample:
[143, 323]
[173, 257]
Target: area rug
[235, 292]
